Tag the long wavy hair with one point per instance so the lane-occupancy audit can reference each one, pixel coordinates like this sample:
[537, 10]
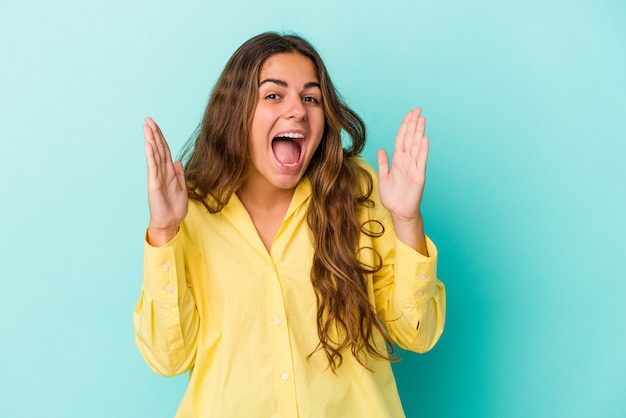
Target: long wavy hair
[215, 169]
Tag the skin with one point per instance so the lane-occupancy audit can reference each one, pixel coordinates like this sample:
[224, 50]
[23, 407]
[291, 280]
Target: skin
[167, 192]
[402, 185]
[289, 100]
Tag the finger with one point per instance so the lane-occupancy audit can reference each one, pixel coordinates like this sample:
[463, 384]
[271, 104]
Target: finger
[383, 164]
[152, 138]
[411, 128]
[152, 135]
[159, 140]
[168, 153]
[180, 174]
[151, 161]
[157, 127]
[399, 147]
[422, 156]
[420, 128]
[418, 135]
[148, 134]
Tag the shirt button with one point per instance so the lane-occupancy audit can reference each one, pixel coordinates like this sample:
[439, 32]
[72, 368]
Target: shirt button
[169, 289]
[277, 321]
[285, 376]
[423, 277]
[420, 293]
[166, 266]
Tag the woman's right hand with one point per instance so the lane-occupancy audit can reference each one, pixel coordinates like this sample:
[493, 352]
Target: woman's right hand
[167, 190]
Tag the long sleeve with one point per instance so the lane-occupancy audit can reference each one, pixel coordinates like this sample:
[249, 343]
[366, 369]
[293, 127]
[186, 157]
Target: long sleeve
[166, 319]
[244, 318]
[410, 298]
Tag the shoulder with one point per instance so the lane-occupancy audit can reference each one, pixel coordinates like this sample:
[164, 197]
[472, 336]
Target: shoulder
[368, 169]
[364, 164]
[197, 214]
[375, 209]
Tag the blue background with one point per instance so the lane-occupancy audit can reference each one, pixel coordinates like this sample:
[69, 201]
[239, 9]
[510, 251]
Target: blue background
[526, 106]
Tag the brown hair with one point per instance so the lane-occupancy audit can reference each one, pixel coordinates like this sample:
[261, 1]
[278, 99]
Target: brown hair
[340, 188]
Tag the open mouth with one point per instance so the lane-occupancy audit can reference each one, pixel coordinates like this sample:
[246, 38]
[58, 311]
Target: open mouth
[287, 148]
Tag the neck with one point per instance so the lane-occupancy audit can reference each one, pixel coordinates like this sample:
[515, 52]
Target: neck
[256, 196]
[267, 207]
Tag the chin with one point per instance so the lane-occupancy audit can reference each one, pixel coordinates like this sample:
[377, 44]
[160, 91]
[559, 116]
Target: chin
[287, 182]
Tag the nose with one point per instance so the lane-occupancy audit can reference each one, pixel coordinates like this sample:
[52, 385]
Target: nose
[295, 108]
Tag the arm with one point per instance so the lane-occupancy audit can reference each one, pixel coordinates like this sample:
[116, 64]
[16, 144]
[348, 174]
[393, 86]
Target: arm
[165, 318]
[408, 294]
[409, 297]
[167, 190]
[401, 188]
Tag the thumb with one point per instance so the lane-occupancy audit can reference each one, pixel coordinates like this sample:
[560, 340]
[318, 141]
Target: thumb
[180, 172]
[178, 167]
[383, 163]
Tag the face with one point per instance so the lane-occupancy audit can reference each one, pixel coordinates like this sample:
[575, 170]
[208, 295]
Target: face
[288, 122]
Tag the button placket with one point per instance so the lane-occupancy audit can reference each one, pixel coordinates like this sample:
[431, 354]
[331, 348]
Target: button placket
[279, 334]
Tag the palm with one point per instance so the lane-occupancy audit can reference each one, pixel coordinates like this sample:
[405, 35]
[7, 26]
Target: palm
[402, 186]
[167, 191]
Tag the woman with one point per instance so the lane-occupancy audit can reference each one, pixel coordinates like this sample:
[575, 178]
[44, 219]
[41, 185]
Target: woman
[275, 271]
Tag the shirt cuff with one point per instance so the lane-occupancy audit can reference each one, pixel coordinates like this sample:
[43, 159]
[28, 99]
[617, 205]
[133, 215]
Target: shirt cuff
[416, 274]
[161, 269]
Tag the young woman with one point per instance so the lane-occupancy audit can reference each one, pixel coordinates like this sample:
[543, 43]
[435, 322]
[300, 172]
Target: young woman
[279, 268]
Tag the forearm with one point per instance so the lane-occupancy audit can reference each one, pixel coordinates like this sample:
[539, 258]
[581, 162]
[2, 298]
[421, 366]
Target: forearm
[411, 233]
[166, 319]
[410, 299]
[166, 334]
[420, 326]
[157, 237]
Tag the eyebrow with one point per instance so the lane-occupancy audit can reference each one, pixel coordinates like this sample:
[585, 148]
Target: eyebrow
[283, 83]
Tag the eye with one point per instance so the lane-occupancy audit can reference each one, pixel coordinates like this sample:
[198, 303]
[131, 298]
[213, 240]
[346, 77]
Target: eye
[272, 96]
[310, 99]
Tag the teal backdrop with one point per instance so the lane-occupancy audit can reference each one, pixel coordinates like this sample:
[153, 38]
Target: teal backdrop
[526, 108]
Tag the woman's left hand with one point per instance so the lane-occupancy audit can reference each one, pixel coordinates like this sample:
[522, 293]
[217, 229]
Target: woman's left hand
[402, 186]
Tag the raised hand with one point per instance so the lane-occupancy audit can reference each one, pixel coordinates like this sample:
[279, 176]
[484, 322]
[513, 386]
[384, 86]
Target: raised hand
[402, 186]
[167, 190]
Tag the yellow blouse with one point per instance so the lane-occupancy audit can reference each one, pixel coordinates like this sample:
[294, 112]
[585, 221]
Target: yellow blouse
[243, 321]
